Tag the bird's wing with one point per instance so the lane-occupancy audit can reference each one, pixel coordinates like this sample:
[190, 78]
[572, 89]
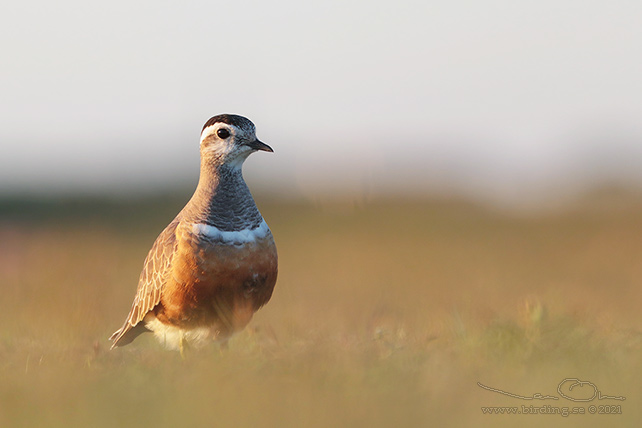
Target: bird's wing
[152, 278]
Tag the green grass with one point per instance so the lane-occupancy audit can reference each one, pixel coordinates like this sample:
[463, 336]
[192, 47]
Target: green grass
[385, 314]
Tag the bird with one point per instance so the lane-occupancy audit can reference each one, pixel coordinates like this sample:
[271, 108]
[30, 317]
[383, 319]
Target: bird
[216, 263]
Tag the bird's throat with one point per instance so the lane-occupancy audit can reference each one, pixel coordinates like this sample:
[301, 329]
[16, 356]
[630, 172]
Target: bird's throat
[223, 200]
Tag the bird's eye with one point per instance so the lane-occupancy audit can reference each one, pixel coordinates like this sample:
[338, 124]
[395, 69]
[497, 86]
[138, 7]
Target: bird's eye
[223, 133]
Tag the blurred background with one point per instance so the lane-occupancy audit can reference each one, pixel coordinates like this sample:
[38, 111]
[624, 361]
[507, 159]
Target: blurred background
[503, 101]
[455, 195]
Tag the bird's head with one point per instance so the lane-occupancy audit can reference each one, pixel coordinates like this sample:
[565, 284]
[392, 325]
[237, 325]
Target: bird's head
[228, 139]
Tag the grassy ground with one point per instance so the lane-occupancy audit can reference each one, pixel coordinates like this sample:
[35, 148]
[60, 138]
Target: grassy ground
[385, 314]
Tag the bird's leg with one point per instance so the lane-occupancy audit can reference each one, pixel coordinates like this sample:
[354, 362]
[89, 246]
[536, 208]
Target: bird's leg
[182, 345]
[223, 346]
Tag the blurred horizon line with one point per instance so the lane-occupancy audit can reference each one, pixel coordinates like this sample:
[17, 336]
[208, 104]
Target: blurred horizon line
[604, 194]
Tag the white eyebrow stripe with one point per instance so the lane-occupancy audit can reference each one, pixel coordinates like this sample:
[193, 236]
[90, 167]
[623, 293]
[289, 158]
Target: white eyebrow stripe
[234, 131]
[208, 131]
[233, 236]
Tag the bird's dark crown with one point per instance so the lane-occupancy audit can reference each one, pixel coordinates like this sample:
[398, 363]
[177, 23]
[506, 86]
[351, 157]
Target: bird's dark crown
[230, 119]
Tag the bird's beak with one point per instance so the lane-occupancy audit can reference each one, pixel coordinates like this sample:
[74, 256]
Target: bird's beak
[259, 145]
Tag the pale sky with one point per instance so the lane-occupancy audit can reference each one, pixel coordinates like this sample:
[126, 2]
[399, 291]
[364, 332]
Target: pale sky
[497, 98]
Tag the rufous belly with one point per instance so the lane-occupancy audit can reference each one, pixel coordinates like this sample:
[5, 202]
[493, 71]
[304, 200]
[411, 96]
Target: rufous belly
[217, 286]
